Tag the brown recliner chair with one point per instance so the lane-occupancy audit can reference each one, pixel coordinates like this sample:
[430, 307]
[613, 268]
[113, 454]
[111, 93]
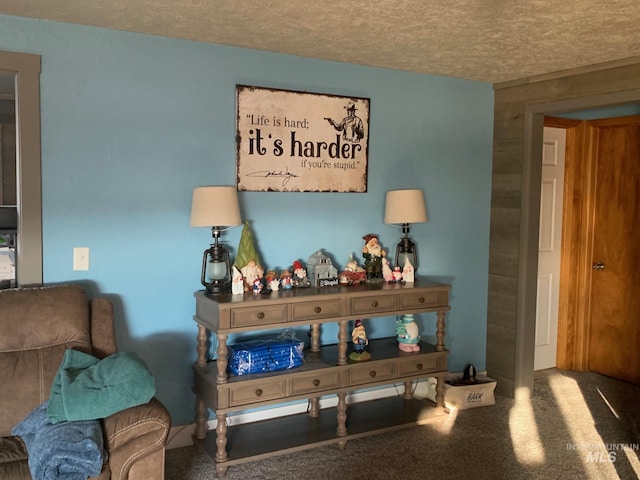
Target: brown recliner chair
[37, 325]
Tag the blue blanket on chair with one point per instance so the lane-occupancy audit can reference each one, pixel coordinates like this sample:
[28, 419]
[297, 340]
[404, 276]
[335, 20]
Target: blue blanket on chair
[65, 450]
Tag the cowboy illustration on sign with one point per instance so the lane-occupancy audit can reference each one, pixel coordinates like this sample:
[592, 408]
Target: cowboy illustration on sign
[350, 126]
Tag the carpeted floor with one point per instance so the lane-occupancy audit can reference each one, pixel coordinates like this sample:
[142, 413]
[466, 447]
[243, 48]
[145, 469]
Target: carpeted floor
[577, 425]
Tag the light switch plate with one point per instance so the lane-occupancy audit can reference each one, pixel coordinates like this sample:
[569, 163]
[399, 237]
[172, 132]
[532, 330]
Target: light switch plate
[81, 258]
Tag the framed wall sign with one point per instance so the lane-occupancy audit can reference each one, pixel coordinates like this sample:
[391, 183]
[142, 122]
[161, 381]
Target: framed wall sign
[290, 141]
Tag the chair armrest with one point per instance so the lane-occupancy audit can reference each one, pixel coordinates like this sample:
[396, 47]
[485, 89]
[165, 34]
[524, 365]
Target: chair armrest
[135, 433]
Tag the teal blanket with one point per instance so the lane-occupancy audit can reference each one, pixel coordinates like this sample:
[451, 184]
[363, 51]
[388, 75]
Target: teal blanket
[86, 388]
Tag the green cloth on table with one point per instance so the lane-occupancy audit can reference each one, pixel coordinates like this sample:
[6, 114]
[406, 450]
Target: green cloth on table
[86, 388]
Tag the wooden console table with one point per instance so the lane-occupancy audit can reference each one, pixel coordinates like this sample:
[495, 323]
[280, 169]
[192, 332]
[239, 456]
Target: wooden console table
[326, 369]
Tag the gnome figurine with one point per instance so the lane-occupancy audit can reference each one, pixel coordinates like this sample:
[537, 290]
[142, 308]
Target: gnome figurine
[299, 278]
[373, 254]
[360, 342]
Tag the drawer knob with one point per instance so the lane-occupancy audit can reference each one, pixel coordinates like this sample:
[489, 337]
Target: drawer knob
[316, 382]
[419, 366]
[317, 309]
[421, 300]
[259, 392]
[374, 304]
[372, 373]
[260, 315]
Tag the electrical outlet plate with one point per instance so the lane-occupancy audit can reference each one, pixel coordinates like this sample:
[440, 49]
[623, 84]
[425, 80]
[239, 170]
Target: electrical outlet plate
[81, 258]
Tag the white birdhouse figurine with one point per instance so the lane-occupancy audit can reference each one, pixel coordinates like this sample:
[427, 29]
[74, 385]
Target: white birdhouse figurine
[321, 270]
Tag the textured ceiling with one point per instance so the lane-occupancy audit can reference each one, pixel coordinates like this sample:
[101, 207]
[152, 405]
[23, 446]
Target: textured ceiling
[486, 40]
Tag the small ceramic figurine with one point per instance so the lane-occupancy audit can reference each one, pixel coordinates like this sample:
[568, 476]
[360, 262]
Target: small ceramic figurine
[360, 341]
[352, 273]
[300, 279]
[250, 271]
[373, 255]
[237, 282]
[271, 280]
[257, 285]
[285, 280]
[408, 272]
[408, 333]
[397, 274]
[387, 274]
[321, 271]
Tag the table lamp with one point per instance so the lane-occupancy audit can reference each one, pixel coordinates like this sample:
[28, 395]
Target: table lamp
[216, 207]
[404, 207]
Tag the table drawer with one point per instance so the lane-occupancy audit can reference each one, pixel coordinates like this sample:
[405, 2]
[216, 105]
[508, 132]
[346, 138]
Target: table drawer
[268, 389]
[315, 382]
[422, 300]
[245, 317]
[318, 309]
[418, 364]
[372, 305]
[371, 372]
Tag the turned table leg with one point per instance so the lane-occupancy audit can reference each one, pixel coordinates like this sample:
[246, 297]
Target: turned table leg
[408, 391]
[223, 358]
[314, 407]
[315, 337]
[201, 362]
[341, 431]
[440, 392]
[342, 342]
[221, 437]
[440, 347]
[201, 419]
[342, 415]
[201, 348]
[221, 470]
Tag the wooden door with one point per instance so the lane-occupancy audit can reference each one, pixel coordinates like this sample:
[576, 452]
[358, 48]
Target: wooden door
[614, 320]
[549, 247]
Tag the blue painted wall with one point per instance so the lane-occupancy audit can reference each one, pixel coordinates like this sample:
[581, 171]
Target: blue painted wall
[132, 123]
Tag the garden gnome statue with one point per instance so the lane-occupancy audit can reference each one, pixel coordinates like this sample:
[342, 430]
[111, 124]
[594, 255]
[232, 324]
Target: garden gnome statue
[247, 260]
[360, 341]
[408, 334]
[373, 255]
[299, 278]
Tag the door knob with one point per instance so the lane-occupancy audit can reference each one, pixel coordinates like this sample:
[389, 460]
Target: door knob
[598, 266]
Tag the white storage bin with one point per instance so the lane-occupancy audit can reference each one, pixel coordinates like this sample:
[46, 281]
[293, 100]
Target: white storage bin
[464, 397]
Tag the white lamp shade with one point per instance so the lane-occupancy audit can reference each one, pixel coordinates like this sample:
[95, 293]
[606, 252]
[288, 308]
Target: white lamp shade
[215, 206]
[405, 206]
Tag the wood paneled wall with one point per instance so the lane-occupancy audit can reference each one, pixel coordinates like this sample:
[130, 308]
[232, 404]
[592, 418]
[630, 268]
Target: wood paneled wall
[519, 111]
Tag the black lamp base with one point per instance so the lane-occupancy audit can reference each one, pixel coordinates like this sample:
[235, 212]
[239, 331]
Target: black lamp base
[216, 268]
[406, 249]
[212, 289]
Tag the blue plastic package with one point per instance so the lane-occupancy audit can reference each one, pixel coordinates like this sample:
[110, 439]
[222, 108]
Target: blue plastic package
[265, 355]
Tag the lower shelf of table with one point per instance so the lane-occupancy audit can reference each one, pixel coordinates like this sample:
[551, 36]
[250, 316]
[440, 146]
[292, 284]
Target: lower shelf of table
[267, 438]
